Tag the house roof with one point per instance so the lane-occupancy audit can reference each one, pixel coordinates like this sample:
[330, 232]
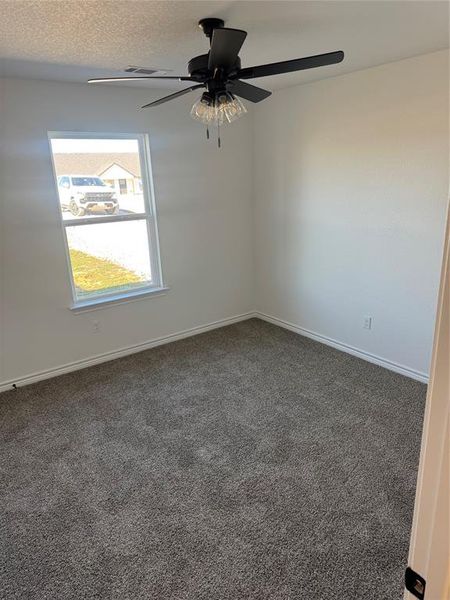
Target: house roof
[96, 163]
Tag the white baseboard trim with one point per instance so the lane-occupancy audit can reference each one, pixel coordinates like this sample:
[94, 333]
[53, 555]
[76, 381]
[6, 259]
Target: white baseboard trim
[107, 356]
[372, 358]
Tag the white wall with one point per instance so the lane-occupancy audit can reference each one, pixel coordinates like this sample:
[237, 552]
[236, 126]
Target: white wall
[350, 192]
[203, 197]
[346, 179]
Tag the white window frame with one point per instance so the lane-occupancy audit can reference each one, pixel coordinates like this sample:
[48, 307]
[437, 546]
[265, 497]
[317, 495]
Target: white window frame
[149, 215]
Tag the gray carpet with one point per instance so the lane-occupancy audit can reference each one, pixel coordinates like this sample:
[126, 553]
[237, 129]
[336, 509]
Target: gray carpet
[244, 463]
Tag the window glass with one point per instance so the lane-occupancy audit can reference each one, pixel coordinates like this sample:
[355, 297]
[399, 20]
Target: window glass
[108, 258]
[105, 177]
[107, 213]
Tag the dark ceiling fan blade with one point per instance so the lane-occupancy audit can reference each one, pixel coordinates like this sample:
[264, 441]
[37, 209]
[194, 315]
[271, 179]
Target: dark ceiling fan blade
[247, 91]
[173, 96]
[142, 78]
[225, 46]
[288, 66]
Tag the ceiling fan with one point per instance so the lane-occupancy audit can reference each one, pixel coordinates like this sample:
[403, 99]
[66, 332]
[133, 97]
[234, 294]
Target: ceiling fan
[220, 73]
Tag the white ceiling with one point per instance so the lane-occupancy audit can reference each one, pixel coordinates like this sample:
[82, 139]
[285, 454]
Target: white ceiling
[72, 40]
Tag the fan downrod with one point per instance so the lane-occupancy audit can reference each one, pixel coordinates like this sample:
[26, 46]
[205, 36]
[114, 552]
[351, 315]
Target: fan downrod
[208, 26]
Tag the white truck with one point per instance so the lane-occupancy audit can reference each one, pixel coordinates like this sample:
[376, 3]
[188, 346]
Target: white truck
[85, 193]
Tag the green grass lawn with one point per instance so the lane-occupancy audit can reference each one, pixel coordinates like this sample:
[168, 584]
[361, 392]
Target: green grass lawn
[93, 274]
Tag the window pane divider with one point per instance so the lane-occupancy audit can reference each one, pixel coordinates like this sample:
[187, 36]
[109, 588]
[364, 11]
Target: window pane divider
[106, 219]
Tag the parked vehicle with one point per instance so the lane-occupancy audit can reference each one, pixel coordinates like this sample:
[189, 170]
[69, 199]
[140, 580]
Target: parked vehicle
[85, 193]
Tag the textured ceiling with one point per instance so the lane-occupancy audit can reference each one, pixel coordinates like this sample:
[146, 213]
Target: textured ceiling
[74, 40]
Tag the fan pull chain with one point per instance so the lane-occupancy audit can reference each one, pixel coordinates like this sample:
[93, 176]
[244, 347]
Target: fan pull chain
[207, 132]
[218, 135]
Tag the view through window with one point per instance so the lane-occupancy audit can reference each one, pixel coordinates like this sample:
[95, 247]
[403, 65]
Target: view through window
[107, 211]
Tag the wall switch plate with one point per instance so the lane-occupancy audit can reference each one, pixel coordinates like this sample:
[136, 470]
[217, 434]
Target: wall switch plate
[367, 323]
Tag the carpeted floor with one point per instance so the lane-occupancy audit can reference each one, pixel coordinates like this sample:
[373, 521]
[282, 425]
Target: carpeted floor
[245, 463]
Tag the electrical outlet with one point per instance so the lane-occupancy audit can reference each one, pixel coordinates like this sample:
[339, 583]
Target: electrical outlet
[367, 323]
[96, 326]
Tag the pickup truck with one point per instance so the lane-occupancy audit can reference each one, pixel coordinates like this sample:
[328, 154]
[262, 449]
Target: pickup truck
[85, 193]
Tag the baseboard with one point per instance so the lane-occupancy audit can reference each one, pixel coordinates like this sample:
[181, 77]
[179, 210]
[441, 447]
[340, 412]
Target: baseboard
[107, 356]
[372, 358]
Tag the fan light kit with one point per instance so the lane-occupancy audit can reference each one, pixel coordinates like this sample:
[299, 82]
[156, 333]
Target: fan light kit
[223, 108]
[220, 73]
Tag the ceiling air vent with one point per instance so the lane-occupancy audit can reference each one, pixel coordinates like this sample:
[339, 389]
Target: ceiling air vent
[143, 70]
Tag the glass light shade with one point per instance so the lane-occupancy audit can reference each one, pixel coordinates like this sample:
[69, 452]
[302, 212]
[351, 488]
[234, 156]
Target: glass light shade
[223, 108]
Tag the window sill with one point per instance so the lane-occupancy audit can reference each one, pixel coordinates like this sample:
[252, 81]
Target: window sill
[99, 303]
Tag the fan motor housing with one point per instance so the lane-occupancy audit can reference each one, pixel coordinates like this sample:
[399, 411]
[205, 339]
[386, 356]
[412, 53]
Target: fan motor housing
[198, 67]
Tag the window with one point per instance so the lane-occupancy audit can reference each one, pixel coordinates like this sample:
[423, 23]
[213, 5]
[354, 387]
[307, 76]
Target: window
[109, 225]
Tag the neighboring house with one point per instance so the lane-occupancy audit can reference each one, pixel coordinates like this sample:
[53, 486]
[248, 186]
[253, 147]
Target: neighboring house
[119, 170]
